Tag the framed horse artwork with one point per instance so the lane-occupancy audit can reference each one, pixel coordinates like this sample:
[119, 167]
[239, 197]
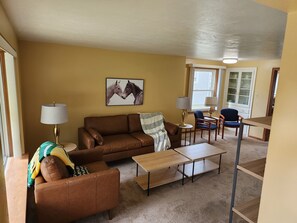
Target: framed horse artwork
[122, 91]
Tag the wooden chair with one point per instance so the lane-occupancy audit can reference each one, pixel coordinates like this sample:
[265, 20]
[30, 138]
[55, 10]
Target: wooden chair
[205, 123]
[229, 118]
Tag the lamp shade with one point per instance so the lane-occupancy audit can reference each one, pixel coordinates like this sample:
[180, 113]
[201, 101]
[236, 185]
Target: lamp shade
[54, 114]
[211, 101]
[183, 103]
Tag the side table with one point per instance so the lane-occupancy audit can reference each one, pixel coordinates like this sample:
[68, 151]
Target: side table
[187, 129]
[69, 146]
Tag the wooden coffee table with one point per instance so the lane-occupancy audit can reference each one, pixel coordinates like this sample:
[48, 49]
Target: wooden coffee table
[197, 154]
[161, 168]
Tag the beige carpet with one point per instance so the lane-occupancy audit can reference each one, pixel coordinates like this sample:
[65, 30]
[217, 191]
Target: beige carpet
[206, 200]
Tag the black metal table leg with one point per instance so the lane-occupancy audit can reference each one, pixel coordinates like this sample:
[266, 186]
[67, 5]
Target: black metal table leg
[183, 179]
[137, 169]
[219, 171]
[148, 183]
[193, 170]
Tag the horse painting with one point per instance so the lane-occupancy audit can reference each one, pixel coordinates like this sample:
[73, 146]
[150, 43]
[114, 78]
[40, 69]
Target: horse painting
[135, 90]
[113, 89]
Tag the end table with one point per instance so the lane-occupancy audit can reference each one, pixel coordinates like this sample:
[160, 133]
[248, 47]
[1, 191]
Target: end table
[69, 146]
[188, 129]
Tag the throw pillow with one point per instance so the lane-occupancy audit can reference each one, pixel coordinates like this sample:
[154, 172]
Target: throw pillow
[53, 168]
[96, 135]
[80, 170]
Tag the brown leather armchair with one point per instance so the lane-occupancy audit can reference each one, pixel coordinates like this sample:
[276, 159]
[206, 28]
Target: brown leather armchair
[72, 198]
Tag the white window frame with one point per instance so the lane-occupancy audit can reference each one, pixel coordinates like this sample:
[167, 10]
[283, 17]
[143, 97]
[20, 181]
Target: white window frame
[10, 132]
[3, 124]
[191, 71]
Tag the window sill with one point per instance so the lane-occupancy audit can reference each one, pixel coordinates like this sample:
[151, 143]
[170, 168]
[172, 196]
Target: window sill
[200, 109]
[16, 188]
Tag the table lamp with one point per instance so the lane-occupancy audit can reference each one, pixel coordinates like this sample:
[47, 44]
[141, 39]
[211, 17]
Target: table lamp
[212, 103]
[54, 114]
[184, 104]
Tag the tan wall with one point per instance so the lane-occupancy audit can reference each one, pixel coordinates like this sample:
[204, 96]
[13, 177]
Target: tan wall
[283, 5]
[76, 76]
[262, 85]
[6, 30]
[278, 203]
[206, 62]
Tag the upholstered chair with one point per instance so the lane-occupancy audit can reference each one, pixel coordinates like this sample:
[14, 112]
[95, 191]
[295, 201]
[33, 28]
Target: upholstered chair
[205, 123]
[229, 118]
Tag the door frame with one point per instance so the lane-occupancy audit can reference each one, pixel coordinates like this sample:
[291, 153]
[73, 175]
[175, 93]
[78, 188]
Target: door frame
[269, 109]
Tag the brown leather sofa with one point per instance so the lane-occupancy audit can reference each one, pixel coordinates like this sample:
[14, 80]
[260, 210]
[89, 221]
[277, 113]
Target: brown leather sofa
[121, 136]
[72, 198]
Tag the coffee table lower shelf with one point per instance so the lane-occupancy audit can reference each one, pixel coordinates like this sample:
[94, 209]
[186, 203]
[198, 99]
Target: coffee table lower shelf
[158, 178]
[201, 166]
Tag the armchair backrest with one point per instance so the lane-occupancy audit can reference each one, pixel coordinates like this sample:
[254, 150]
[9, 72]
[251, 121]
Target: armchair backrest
[198, 115]
[230, 114]
[108, 125]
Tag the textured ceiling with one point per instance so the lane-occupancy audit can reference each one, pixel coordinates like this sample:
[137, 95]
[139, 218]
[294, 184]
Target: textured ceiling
[206, 29]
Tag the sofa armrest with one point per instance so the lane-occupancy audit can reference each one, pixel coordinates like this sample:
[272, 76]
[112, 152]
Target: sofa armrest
[172, 129]
[85, 140]
[80, 157]
[73, 198]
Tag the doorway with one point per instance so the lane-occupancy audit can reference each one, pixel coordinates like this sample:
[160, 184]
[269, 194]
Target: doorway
[271, 98]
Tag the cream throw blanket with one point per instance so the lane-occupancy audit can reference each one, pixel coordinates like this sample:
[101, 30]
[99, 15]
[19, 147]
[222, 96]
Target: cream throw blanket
[153, 125]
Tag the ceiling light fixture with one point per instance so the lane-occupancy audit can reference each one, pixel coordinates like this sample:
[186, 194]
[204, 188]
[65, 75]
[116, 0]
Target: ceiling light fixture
[230, 60]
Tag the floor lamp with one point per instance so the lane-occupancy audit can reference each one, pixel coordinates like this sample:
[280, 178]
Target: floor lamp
[54, 114]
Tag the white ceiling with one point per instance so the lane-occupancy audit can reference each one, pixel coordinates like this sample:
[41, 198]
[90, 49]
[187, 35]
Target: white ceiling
[205, 29]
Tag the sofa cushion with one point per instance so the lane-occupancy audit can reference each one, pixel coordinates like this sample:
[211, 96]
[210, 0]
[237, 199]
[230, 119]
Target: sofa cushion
[134, 123]
[96, 135]
[96, 166]
[108, 125]
[119, 143]
[53, 168]
[145, 139]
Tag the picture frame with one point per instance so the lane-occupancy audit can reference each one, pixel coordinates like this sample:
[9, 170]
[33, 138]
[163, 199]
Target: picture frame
[124, 91]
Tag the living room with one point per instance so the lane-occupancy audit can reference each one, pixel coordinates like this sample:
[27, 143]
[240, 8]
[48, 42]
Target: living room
[76, 75]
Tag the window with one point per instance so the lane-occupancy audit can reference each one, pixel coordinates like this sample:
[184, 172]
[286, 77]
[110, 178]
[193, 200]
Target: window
[9, 115]
[4, 134]
[203, 83]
